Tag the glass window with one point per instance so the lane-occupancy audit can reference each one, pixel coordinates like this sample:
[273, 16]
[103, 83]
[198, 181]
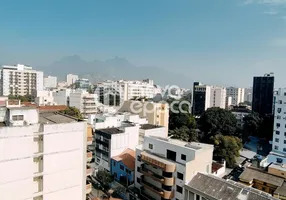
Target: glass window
[276, 140]
[183, 156]
[277, 125]
[179, 189]
[276, 147]
[150, 146]
[180, 176]
[279, 110]
[284, 149]
[122, 167]
[277, 132]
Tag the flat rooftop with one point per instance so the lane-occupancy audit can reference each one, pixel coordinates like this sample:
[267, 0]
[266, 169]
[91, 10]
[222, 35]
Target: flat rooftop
[190, 145]
[149, 126]
[111, 131]
[221, 189]
[55, 118]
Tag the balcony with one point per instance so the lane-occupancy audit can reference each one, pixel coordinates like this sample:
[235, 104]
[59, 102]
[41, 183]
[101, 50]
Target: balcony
[163, 193]
[164, 180]
[89, 140]
[89, 156]
[89, 171]
[88, 188]
[156, 161]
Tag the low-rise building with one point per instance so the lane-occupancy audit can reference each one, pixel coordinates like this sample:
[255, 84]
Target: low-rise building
[240, 112]
[151, 130]
[50, 82]
[163, 166]
[208, 187]
[45, 98]
[123, 167]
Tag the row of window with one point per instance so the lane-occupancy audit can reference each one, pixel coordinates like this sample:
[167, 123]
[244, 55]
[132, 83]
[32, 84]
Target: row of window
[178, 188]
[277, 148]
[278, 125]
[277, 140]
[278, 133]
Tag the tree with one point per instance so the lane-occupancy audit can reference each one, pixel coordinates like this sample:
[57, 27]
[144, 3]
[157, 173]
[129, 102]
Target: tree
[226, 147]
[119, 192]
[217, 120]
[72, 111]
[105, 178]
[251, 125]
[185, 134]
[26, 98]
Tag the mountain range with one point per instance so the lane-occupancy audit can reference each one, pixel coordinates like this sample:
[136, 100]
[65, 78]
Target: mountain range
[113, 69]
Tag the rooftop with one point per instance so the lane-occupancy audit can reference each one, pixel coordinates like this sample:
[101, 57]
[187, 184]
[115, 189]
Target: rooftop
[221, 189]
[190, 145]
[281, 191]
[250, 173]
[55, 118]
[111, 131]
[127, 157]
[149, 126]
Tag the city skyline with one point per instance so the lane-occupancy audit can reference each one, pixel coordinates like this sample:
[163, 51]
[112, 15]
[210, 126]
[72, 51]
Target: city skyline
[232, 40]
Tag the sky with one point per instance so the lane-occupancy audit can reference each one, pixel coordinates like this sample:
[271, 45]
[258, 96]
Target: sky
[222, 42]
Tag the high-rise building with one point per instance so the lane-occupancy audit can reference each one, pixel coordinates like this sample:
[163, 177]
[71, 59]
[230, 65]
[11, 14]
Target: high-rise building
[71, 79]
[248, 94]
[206, 96]
[163, 166]
[278, 153]
[263, 88]
[50, 82]
[43, 155]
[236, 94]
[20, 80]
[83, 84]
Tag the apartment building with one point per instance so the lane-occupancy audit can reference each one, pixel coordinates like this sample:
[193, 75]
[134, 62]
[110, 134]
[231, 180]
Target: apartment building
[125, 90]
[50, 82]
[206, 96]
[151, 130]
[110, 142]
[43, 155]
[44, 98]
[163, 166]
[240, 112]
[155, 113]
[71, 79]
[84, 101]
[20, 80]
[208, 187]
[278, 153]
[248, 94]
[61, 97]
[82, 84]
[236, 94]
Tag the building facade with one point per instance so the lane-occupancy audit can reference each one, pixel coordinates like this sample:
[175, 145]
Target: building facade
[278, 153]
[163, 166]
[50, 82]
[236, 94]
[44, 165]
[82, 84]
[71, 79]
[20, 80]
[263, 89]
[248, 94]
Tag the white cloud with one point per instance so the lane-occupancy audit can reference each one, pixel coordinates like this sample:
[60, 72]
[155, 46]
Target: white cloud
[271, 12]
[268, 2]
[279, 42]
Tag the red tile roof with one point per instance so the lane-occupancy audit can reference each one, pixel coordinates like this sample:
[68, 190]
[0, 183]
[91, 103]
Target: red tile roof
[127, 157]
[46, 108]
[216, 167]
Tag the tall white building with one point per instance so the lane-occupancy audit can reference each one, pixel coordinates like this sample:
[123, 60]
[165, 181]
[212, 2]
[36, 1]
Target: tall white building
[278, 153]
[236, 94]
[163, 166]
[126, 90]
[84, 101]
[20, 80]
[248, 94]
[42, 155]
[71, 79]
[218, 97]
[50, 82]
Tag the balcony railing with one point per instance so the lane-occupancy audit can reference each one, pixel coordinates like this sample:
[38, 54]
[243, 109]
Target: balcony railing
[156, 177]
[89, 171]
[163, 193]
[156, 161]
[89, 156]
[88, 188]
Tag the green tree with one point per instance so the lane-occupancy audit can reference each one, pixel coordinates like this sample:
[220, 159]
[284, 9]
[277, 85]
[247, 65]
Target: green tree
[184, 133]
[72, 111]
[226, 147]
[105, 178]
[251, 126]
[119, 192]
[26, 98]
[217, 120]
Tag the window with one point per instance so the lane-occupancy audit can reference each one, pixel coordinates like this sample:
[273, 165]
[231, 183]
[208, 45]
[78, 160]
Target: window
[284, 141]
[276, 140]
[278, 117]
[279, 110]
[276, 147]
[150, 146]
[183, 156]
[279, 160]
[285, 134]
[127, 171]
[138, 180]
[171, 155]
[279, 101]
[114, 163]
[278, 125]
[122, 167]
[284, 149]
[180, 176]
[277, 132]
[18, 117]
[198, 197]
[179, 189]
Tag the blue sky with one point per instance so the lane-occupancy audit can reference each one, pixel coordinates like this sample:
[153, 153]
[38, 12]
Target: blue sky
[214, 41]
